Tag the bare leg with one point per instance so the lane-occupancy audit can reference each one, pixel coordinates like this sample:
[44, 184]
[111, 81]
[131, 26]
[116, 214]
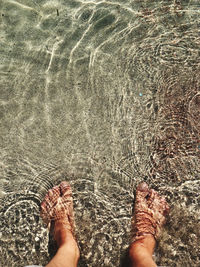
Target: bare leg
[141, 252]
[150, 212]
[57, 208]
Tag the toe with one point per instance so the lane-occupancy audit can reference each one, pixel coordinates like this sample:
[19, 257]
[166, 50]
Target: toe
[46, 199]
[71, 211]
[143, 187]
[164, 205]
[142, 190]
[54, 192]
[65, 189]
[50, 193]
[43, 207]
[166, 208]
[155, 201]
[151, 197]
[158, 203]
[52, 196]
[152, 193]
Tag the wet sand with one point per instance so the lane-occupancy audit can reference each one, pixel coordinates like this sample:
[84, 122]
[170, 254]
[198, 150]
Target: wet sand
[104, 95]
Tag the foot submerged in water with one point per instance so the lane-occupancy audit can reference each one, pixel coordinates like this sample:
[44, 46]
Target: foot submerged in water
[150, 213]
[57, 212]
[58, 206]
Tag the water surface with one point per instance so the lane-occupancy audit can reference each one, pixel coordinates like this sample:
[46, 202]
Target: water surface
[103, 94]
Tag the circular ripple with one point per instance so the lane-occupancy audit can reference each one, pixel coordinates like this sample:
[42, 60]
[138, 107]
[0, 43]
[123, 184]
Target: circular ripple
[194, 112]
[23, 238]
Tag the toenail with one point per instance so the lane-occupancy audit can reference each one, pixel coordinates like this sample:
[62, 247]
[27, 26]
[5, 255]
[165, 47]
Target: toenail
[143, 187]
[50, 192]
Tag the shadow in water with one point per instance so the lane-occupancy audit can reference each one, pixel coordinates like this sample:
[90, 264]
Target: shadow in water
[125, 260]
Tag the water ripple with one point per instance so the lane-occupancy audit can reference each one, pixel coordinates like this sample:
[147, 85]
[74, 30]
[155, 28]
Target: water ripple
[103, 94]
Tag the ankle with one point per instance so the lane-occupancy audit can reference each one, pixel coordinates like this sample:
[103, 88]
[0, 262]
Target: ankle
[143, 245]
[62, 236]
[65, 240]
[71, 250]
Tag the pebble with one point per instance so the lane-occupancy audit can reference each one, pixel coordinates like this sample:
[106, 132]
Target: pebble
[37, 239]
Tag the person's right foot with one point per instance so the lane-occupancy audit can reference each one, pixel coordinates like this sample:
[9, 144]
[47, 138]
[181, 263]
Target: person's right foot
[150, 212]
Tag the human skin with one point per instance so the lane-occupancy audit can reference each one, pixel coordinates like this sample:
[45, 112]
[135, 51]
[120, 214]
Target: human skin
[57, 211]
[149, 217]
[68, 252]
[150, 214]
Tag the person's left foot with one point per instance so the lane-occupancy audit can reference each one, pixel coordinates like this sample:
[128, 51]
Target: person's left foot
[58, 205]
[57, 212]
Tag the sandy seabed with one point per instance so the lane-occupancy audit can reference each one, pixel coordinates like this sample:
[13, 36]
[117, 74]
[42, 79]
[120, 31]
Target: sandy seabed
[103, 94]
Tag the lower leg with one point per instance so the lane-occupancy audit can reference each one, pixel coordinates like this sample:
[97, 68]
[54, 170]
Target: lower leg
[67, 254]
[141, 252]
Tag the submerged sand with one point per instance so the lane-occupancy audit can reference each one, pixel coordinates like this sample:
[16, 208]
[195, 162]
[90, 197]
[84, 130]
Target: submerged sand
[104, 95]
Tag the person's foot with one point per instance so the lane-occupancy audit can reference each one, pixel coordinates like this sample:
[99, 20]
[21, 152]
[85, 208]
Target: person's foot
[57, 213]
[150, 212]
[149, 217]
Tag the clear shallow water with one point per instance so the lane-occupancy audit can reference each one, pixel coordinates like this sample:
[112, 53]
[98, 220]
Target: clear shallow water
[103, 94]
